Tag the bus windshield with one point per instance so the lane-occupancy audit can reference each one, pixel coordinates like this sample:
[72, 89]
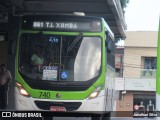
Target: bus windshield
[59, 57]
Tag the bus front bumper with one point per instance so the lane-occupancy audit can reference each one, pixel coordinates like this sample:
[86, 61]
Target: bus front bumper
[86, 105]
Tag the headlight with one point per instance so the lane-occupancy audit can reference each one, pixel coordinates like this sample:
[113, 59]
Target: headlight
[22, 90]
[95, 93]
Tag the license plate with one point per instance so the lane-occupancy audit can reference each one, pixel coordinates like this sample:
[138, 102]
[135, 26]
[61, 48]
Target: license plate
[57, 108]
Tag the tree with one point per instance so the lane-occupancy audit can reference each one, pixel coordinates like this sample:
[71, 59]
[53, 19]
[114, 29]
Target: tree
[124, 4]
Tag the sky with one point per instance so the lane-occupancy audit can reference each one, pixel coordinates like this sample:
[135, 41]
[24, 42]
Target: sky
[142, 15]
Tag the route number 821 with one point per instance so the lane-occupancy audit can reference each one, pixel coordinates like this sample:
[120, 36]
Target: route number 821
[44, 94]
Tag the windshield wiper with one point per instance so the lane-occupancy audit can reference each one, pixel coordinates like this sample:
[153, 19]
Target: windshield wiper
[79, 36]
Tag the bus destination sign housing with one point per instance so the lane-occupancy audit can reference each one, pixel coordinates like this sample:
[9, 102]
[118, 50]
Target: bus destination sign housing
[63, 24]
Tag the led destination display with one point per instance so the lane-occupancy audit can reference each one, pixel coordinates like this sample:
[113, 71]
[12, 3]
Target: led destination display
[63, 25]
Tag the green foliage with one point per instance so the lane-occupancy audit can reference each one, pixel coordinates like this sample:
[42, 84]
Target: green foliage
[124, 4]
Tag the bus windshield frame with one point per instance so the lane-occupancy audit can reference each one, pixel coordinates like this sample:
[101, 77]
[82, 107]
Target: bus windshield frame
[54, 39]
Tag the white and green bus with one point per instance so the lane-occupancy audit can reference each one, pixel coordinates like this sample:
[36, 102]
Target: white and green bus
[76, 68]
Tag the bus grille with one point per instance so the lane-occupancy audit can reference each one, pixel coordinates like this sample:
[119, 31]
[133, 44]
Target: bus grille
[70, 106]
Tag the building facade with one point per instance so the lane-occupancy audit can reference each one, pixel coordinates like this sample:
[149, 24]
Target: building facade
[137, 86]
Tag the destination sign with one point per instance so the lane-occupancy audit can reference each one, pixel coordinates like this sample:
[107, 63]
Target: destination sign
[62, 25]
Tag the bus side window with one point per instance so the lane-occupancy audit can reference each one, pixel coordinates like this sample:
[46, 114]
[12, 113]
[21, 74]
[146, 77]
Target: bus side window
[110, 51]
[109, 46]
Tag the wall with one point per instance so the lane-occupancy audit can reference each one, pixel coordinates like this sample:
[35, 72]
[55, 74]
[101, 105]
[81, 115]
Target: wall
[133, 60]
[125, 104]
[138, 44]
[141, 38]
